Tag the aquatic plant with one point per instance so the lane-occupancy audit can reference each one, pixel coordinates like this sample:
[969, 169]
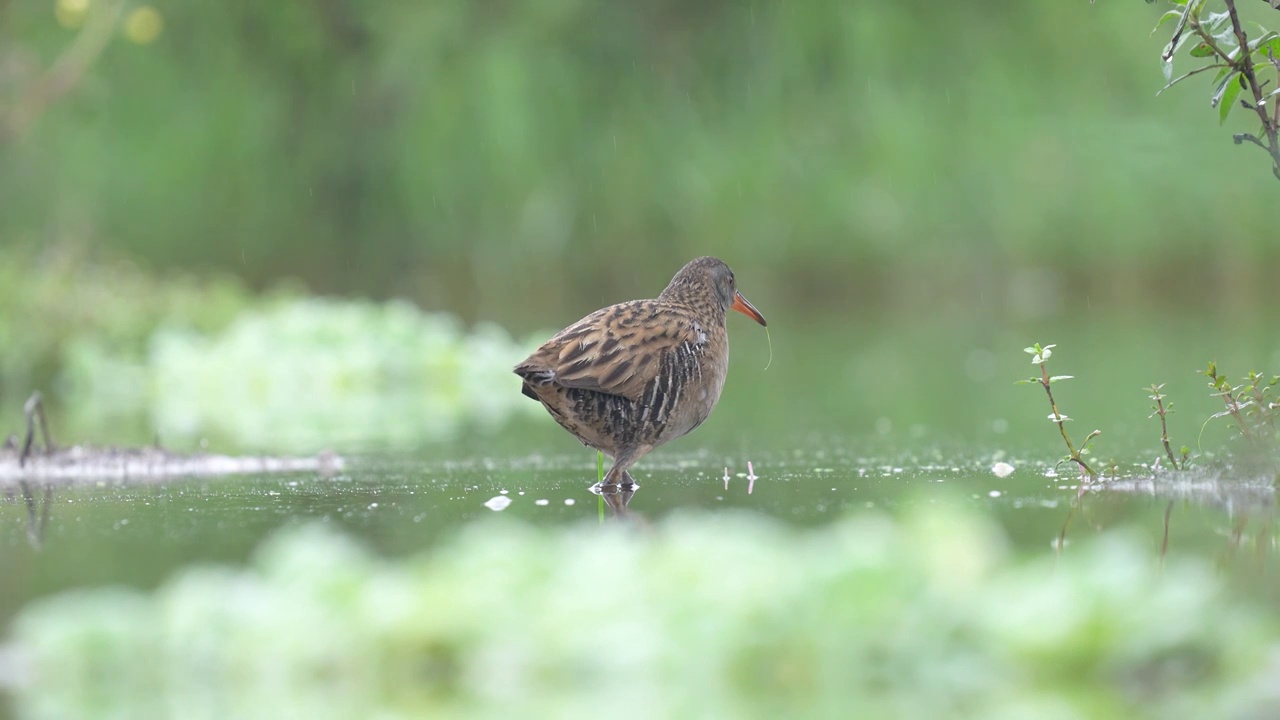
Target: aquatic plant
[1040, 357]
[698, 616]
[1161, 409]
[1251, 405]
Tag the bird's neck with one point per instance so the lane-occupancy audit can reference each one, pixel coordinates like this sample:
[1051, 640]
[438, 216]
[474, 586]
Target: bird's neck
[704, 302]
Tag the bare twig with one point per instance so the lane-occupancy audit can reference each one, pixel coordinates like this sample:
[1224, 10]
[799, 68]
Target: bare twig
[1246, 137]
[1164, 428]
[65, 73]
[1188, 74]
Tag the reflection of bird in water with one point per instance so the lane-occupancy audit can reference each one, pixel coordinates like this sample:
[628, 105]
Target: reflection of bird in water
[617, 498]
[37, 510]
[632, 376]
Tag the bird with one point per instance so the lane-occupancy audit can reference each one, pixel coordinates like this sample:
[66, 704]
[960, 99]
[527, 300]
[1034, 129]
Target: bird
[632, 376]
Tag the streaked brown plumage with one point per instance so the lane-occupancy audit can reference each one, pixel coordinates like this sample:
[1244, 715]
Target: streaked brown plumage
[630, 377]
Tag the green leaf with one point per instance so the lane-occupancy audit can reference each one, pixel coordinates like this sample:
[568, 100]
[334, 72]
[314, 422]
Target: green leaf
[1187, 12]
[1228, 101]
[1032, 381]
[1031, 350]
[1202, 50]
[1172, 14]
[1215, 21]
[1056, 378]
[1263, 41]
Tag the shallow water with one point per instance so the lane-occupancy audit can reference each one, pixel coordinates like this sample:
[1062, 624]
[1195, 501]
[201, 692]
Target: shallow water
[137, 534]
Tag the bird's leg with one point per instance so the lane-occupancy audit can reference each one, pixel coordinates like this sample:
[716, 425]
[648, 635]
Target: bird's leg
[618, 475]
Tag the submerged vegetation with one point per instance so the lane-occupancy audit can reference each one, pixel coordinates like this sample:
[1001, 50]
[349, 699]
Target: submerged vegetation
[701, 616]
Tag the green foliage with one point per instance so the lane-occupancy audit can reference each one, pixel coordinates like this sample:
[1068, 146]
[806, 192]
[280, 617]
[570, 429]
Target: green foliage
[52, 300]
[1242, 64]
[727, 616]
[302, 374]
[1251, 405]
[187, 360]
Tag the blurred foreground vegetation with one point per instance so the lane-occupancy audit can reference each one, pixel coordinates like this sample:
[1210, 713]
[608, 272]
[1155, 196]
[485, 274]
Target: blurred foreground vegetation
[731, 616]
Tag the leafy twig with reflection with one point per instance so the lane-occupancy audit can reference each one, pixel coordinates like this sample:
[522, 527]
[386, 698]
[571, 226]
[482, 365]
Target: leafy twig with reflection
[1161, 409]
[1040, 356]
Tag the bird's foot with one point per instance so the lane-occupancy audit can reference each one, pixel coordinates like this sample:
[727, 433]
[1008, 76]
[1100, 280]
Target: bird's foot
[613, 484]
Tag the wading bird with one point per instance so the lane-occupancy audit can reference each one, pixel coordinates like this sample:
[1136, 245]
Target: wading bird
[630, 377]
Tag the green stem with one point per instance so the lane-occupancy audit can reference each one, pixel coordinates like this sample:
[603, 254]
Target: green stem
[1164, 434]
[1062, 427]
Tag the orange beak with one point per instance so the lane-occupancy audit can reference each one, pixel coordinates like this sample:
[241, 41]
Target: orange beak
[741, 305]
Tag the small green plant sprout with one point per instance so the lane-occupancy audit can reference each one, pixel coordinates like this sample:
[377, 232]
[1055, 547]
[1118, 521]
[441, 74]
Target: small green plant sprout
[1247, 78]
[1264, 406]
[1251, 405]
[1160, 409]
[1230, 395]
[1040, 356]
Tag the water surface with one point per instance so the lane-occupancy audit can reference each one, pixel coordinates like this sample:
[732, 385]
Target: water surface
[138, 533]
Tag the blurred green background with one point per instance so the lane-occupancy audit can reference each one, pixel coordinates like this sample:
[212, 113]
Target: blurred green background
[942, 179]
[281, 227]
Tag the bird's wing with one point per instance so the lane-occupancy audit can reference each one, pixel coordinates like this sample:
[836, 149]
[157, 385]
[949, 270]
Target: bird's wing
[616, 350]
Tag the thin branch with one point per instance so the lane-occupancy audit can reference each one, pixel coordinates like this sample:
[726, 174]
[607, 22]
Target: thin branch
[65, 73]
[1244, 66]
[1188, 74]
[1246, 69]
[1242, 137]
